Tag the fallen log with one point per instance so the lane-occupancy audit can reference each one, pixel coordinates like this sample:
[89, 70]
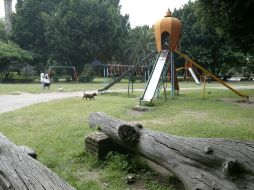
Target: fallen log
[18, 170]
[199, 163]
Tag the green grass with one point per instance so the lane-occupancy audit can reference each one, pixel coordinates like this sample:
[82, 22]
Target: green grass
[56, 130]
[98, 83]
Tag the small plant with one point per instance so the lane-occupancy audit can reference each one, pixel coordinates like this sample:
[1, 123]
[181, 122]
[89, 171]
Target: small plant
[55, 78]
[149, 104]
[87, 75]
[68, 78]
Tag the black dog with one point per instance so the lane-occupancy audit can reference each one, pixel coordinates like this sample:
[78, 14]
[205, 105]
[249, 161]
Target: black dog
[91, 96]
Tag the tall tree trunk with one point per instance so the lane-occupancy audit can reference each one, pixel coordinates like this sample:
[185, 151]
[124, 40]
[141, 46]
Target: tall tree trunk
[8, 11]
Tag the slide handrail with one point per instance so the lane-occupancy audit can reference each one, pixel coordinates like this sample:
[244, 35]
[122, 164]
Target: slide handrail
[128, 72]
[210, 74]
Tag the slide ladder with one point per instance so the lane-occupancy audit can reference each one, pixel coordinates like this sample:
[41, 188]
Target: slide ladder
[118, 79]
[155, 77]
[210, 74]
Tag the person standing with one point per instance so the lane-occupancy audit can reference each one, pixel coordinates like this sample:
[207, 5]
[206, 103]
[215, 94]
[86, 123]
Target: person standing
[47, 80]
[42, 80]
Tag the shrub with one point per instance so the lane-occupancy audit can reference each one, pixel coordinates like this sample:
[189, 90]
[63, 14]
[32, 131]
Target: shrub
[68, 78]
[87, 75]
[55, 78]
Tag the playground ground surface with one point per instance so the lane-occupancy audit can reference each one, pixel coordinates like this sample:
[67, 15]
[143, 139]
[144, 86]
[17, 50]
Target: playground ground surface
[56, 129]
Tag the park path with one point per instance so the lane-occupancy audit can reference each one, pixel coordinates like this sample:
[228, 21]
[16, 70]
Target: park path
[14, 102]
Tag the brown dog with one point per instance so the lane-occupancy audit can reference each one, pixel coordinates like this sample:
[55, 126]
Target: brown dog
[91, 96]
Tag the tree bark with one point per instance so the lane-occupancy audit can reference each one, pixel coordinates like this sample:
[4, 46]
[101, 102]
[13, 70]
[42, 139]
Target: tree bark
[199, 163]
[8, 11]
[20, 171]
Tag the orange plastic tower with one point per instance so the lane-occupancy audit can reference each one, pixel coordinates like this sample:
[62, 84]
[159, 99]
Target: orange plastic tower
[167, 32]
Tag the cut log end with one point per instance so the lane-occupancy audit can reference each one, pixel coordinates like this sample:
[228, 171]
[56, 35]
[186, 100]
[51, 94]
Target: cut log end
[128, 133]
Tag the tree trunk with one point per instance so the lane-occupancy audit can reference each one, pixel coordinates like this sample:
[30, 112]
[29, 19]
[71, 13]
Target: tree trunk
[199, 163]
[20, 171]
[8, 11]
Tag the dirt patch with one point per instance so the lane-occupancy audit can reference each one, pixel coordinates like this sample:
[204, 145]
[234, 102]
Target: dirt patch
[138, 110]
[242, 103]
[134, 112]
[194, 114]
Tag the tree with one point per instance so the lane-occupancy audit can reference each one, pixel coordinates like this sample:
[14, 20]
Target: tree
[205, 43]
[3, 35]
[11, 55]
[234, 19]
[80, 31]
[28, 28]
[8, 11]
[140, 44]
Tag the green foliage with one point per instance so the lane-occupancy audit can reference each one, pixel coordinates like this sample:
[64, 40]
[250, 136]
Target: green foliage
[87, 75]
[234, 19]
[12, 56]
[205, 43]
[140, 44]
[55, 78]
[68, 78]
[28, 28]
[79, 31]
[3, 35]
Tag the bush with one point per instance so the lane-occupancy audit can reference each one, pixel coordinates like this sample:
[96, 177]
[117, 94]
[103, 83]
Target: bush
[13, 77]
[68, 78]
[87, 75]
[55, 78]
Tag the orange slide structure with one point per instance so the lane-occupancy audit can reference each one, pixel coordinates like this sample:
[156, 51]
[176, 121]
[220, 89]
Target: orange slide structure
[210, 74]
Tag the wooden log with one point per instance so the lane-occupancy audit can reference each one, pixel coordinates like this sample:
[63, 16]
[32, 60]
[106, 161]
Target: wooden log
[18, 170]
[27, 150]
[199, 163]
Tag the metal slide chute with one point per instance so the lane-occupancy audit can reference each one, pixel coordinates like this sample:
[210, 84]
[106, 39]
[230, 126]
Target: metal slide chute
[194, 76]
[155, 77]
[118, 79]
[211, 75]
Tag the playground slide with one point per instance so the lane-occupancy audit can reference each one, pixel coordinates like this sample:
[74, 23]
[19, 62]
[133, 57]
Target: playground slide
[194, 76]
[211, 75]
[118, 79]
[155, 77]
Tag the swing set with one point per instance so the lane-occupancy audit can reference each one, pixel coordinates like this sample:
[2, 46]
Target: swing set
[63, 69]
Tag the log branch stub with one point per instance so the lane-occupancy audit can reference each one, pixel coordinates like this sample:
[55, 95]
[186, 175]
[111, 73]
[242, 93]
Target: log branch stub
[199, 163]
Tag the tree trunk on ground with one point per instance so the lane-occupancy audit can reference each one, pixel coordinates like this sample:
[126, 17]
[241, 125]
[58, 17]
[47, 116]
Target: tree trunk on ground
[20, 171]
[199, 163]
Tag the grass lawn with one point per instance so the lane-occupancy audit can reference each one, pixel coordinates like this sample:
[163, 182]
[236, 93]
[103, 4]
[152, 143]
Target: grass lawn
[98, 83]
[56, 130]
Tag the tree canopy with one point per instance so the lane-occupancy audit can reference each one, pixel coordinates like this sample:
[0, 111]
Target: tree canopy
[218, 34]
[140, 44]
[12, 55]
[70, 32]
[233, 18]
[206, 43]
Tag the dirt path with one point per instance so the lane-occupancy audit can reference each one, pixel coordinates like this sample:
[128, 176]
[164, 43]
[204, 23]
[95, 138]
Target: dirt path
[13, 102]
